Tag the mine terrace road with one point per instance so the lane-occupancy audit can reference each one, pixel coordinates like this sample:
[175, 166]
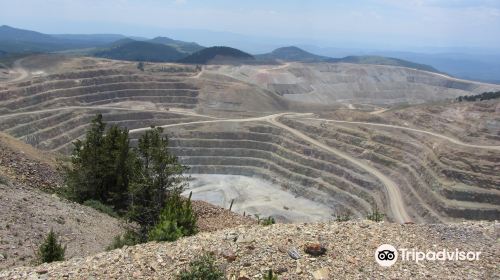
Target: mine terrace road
[454, 141]
[396, 204]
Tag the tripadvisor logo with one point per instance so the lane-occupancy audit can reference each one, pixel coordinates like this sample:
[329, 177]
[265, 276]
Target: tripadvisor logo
[386, 255]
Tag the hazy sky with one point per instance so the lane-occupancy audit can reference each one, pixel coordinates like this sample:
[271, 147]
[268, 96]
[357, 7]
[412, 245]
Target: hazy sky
[371, 23]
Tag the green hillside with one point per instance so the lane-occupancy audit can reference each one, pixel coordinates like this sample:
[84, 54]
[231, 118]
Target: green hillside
[291, 53]
[216, 55]
[17, 40]
[140, 51]
[185, 47]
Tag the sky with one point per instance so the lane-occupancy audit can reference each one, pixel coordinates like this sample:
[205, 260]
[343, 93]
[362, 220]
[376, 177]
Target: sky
[377, 24]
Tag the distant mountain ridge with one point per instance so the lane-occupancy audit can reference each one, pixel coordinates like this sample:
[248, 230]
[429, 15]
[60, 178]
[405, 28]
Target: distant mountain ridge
[164, 49]
[186, 47]
[141, 51]
[17, 40]
[292, 53]
[217, 54]
[296, 54]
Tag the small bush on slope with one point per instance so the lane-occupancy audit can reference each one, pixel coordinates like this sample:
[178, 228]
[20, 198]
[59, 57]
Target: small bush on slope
[130, 238]
[3, 180]
[51, 250]
[375, 215]
[176, 220]
[270, 275]
[202, 268]
[268, 221]
[343, 217]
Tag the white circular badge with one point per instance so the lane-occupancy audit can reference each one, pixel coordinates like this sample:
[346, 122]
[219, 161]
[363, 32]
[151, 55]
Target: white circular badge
[386, 255]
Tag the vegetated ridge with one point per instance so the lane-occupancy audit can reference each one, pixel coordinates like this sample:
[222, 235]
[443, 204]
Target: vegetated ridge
[185, 47]
[292, 53]
[25, 41]
[142, 51]
[480, 97]
[295, 54]
[217, 54]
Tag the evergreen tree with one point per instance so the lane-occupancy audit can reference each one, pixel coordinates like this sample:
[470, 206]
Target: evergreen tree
[85, 175]
[118, 163]
[51, 250]
[157, 174]
[101, 166]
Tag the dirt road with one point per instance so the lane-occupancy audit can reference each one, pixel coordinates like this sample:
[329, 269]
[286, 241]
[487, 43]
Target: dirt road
[396, 204]
[452, 140]
[253, 119]
[170, 110]
[23, 74]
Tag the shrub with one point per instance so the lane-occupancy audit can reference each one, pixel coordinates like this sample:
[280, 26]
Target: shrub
[343, 217]
[270, 275]
[268, 221]
[51, 250]
[129, 238]
[3, 180]
[140, 66]
[202, 268]
[176, 220]
[99, 206]
[375, 215]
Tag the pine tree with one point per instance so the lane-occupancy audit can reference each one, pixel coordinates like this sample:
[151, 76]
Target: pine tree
[51, 250]
[101, 166]
[117, 165]
[84, 176]
[157, 173]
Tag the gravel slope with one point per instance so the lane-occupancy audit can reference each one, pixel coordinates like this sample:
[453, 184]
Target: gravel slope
[255, 249]
[27, 215]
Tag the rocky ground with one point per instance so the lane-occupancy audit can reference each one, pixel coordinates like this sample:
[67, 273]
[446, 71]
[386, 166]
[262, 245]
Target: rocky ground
[246, 252]
[27, 215]
[213, 218]
[23, 164]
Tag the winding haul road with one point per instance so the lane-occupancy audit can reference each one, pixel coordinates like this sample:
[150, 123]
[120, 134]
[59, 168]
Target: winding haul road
[396, 205]
[452, 140]
[23, 74]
